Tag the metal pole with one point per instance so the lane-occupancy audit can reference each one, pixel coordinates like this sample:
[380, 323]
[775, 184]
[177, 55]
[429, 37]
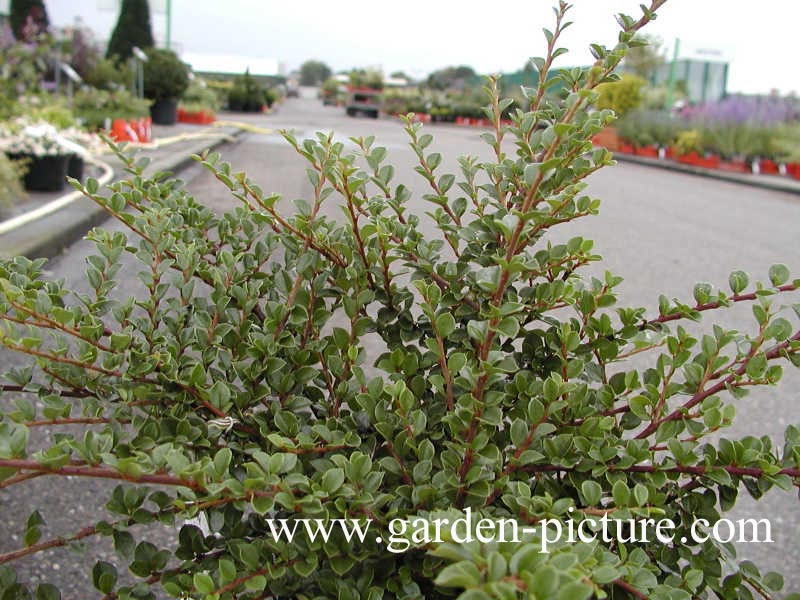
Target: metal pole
[141, 79]
[169, 24]
[671, 85]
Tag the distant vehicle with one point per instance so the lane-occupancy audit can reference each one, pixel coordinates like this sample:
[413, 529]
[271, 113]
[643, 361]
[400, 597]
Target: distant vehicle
[293, 92]
[366, 101]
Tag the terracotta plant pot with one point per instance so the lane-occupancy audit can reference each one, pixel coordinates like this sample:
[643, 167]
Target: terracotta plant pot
[607, 138]
[768, 167]
[648, 151]
[735, 166]
[710, 161]
[201, 117]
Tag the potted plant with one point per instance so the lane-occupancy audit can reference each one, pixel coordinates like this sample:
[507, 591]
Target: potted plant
[786, 149]
[44, 148]
[690, 148]
[166, 78]
[608, 137]
[734, 142]
[247, 95]
[112, 110]
[198, 104]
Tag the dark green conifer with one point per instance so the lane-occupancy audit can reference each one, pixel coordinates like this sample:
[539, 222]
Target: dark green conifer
[132, 29]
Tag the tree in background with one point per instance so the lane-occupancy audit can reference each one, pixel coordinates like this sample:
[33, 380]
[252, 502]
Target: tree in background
[451, 78]
[21, 11]
[366, 78]
[645, 60]
[132, 29]
[314, 72]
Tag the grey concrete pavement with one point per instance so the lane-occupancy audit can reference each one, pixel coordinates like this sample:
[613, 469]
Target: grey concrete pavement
[47, 236]
[662, 231]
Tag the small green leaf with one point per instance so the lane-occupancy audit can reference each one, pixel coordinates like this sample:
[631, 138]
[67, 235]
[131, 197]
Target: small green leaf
[478, 330]
[620, 493]
[332, 480]
[257, 583]
[203, 583]
[738, 281]
[462, 574]
[574, 591]
[104, 576]
[509, 327]
[592, 492]
[778, 274]
[262, 504]
[47, 591]
[545, 581]
[445, 324]
[640, 494]
[227, 570]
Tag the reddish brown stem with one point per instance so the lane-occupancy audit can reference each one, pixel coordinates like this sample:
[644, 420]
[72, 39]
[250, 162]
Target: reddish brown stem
[74, 421]
[701, 395]
[84, 470]
[789, 287]
[53, 543]
[630, 589]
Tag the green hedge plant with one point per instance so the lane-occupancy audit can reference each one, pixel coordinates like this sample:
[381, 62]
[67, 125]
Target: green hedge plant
[248, 95]
[286, 365]
[622, 95]
[166, 77]
[94, 108]
[648, 127]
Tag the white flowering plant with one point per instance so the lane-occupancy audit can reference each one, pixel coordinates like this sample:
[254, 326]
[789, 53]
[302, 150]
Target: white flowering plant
[23, 136]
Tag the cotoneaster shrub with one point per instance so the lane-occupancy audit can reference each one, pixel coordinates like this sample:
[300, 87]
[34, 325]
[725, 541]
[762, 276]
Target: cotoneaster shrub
[288, 366]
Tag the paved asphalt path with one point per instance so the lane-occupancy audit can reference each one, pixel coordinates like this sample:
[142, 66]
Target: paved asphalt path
[662, 231]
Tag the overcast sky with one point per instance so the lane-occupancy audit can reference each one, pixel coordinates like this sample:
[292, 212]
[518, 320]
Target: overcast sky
[417, 36]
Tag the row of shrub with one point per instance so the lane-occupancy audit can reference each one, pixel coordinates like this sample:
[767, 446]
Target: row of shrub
[738, 127]
[744, 141]
[441, 106]
[246, 94]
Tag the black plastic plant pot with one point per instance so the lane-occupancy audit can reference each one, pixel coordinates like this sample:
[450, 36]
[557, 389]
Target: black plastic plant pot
[164, 112]
[75, 167]
[45, 173]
